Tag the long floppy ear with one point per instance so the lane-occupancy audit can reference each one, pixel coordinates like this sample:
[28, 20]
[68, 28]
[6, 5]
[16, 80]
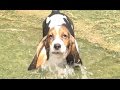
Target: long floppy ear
[74, 55]
[40, 56]
[74, 51]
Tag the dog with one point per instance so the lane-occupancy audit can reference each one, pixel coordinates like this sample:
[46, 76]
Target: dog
[58, 47]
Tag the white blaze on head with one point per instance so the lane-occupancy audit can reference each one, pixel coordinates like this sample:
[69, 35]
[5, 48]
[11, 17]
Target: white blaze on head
[58, 40]
[56, 20]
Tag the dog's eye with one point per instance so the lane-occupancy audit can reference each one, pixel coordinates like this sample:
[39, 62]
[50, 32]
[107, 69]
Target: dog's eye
[64, 36]
[51, 36]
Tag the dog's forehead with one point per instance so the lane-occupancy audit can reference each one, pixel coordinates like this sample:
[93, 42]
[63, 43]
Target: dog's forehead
[58, 30]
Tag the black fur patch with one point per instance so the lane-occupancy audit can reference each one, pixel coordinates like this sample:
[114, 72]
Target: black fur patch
[33, 64]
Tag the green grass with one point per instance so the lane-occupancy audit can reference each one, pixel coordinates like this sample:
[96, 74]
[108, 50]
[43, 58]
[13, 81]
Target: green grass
[97, 33]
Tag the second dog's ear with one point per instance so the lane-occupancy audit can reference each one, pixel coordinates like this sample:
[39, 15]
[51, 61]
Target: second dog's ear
[40, 56]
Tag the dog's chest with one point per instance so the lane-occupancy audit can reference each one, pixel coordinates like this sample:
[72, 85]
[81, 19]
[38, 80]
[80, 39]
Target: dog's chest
[57, 64]
[57, 61]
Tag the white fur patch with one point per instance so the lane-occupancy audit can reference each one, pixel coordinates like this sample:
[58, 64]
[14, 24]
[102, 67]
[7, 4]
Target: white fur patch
[56, 20]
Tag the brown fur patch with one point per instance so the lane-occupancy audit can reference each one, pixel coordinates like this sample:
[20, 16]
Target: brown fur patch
[51, 35]
[42, 57]
[64, 35]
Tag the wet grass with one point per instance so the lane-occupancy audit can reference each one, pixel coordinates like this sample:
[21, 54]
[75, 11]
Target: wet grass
[97, 33]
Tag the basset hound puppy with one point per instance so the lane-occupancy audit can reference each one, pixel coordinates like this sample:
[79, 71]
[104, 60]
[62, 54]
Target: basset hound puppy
[58, 47]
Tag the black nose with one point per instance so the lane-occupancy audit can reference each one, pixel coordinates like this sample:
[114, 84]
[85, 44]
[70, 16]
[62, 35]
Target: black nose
[57, 46]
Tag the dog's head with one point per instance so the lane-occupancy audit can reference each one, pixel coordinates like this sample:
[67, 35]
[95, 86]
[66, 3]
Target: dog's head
[58, 40]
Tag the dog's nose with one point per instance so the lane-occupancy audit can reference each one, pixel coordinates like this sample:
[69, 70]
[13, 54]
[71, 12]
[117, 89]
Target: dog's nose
[57, 46]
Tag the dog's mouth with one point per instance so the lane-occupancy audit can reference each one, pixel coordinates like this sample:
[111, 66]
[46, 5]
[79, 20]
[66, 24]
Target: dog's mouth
[56, 52]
